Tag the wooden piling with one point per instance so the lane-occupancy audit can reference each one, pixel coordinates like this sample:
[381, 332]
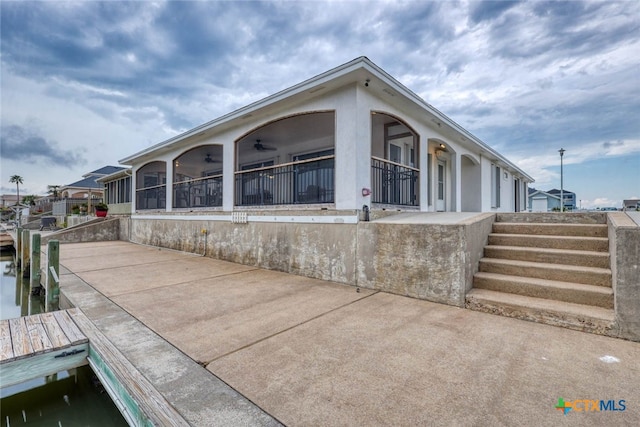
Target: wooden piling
[18, 248]
[53, 271]
[35, 261]
[25, 253]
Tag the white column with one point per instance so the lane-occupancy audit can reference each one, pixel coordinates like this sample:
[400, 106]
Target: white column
[425, 179]
[169, 187]
[353, 152]
[228, 175]
[456, 173]
[134, 194]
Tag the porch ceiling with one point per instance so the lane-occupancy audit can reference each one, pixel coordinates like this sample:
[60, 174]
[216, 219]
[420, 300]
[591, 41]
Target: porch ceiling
[282, 133]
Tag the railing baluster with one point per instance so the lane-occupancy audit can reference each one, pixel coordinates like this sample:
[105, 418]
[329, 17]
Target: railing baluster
[393, 183]
[306, 181]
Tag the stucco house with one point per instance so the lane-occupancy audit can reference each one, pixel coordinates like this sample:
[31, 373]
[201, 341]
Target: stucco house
[88, 186]
[351, 138]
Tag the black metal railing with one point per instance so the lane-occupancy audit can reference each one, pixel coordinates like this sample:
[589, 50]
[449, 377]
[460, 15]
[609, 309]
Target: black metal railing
[302, 182]
[198, 193]
[66, 206]
[393, 183]
[151, 197]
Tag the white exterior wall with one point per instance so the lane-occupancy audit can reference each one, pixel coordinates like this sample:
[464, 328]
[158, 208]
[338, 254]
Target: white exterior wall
[353, 105]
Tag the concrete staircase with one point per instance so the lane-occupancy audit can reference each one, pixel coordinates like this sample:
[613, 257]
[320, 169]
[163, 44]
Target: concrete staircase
[548, 268]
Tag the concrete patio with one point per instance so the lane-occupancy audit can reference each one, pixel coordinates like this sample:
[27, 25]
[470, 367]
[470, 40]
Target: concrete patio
[311, 352]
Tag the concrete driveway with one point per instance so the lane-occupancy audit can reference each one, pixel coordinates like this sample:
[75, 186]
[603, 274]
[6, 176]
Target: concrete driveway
[310, 352]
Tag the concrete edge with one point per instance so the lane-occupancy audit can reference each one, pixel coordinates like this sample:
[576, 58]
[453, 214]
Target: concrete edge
[178, 378]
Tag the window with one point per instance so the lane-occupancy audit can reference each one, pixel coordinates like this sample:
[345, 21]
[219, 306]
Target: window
[118, 191]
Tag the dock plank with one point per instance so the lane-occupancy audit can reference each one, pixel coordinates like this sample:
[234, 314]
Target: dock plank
[56, 334]
[68, 326]
[6, 349]
[20, 337]
[40, 347]
[108, 363]
[38, 336]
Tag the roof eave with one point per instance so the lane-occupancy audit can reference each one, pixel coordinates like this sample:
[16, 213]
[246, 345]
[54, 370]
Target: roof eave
[306, 85]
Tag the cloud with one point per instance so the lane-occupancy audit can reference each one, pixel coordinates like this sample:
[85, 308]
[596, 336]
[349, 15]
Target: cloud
[19, 143]
[525, 77]
[488, 10]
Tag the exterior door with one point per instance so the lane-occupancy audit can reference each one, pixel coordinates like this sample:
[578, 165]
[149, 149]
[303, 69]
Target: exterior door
[441, 190]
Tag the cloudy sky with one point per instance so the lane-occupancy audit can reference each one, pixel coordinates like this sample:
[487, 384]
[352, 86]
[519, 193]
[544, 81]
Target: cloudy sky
[84, 84]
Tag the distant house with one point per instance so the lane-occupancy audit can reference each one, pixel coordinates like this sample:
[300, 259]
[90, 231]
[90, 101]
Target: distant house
[546, 201]
[631, 205]
[7, 200]
[88, 186]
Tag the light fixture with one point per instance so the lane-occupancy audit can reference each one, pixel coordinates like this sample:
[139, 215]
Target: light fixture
[366, 82]
[443, 146]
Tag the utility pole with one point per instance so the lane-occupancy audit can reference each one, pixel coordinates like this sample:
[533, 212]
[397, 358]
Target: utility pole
[561, 151]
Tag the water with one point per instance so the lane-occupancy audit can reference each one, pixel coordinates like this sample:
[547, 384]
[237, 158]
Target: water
[68, 398]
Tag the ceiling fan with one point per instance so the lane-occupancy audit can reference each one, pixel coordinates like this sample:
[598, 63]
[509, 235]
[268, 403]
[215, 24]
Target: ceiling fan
[209, 159]
[258, 146]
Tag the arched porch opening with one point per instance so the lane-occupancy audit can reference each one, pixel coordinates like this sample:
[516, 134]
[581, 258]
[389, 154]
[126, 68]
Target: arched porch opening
[151, 186]
[395, 170]
[197, 178]
[287, 161]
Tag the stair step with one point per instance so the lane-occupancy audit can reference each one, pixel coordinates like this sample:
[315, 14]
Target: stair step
[577, 293]
[541, 270]
[598, 244]
[554, 217]
[551, 229]
[549, 255]
[558, 313]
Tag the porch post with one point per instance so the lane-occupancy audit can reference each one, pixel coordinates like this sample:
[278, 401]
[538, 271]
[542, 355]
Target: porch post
[424, 180]
[228, 175]
[169, 188]
[456, 177]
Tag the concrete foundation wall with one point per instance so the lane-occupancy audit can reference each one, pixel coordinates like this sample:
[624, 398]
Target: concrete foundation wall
[97, 230]
[435, 262]
[624, 247]
[322, 251]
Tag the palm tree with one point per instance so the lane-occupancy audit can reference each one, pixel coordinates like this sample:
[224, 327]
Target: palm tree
[53, 190]
[17, 180]
[29, 199]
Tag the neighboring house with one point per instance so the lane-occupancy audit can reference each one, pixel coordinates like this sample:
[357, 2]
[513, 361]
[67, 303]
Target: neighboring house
[349, 138]
[7, 200]
[569, 198]
[83, 193]
[631, 205]
[547, 201]
[88, 186]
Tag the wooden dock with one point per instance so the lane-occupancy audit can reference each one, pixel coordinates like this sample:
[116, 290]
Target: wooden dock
[40, 345]
[44, 344]
[6, 240]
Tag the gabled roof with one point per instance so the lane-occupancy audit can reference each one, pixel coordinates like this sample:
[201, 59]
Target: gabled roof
[556, 191]
[89, 182]
[358, 70]
[122, 172]
[105, 170]
[544, 193]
